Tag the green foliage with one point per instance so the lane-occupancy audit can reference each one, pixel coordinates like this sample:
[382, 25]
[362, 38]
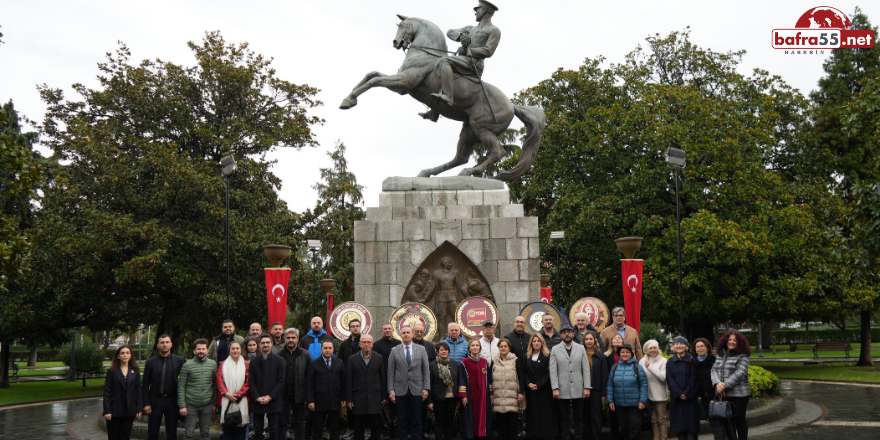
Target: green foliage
[133, 229]
[650, 330]
[753, 207]
[762, 382]
[88, 360]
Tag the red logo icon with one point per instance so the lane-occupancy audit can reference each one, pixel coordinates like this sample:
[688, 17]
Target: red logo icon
[821, 27]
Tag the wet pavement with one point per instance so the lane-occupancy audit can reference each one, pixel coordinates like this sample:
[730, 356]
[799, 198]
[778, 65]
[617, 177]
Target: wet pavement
[851, 412]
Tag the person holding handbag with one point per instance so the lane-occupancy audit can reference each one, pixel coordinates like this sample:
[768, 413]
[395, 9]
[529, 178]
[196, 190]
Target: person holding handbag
[508, 397]
[655, 368]
[702, 352]
[684, 386]
[123, 395]
[232, 394]
[730, 377]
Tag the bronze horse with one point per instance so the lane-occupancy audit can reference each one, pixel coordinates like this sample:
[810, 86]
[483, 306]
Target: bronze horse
[485, 113]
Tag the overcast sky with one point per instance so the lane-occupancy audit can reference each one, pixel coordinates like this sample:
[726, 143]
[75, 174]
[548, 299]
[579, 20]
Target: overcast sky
[331, 44]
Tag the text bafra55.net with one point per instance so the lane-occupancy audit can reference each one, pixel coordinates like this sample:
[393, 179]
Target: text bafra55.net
[821, 38]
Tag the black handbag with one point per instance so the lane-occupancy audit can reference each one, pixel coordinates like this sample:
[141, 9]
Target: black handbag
[719, 409]
[232, 418]
[385, 414]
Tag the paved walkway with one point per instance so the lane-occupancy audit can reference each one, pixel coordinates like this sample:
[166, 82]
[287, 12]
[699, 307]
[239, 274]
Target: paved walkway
[853, 413]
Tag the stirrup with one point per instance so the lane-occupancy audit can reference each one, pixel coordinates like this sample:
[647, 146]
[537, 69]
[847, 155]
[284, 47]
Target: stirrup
[443, 97]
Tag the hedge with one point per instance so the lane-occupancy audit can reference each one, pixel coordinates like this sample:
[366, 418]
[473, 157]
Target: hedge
[762, 382]
[52, 355]
[800, 336]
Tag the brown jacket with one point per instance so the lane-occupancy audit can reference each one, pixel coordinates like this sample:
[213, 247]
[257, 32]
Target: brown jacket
[631, 337]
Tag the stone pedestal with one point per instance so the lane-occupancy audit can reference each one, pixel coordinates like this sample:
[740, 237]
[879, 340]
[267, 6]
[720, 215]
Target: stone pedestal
[408, 226]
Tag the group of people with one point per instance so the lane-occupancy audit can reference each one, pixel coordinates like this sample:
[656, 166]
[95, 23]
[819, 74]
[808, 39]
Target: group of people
[553, 382]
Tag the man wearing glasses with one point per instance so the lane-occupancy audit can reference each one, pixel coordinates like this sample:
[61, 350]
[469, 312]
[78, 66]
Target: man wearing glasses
[419, 338]
[630, 335]
[351, 345]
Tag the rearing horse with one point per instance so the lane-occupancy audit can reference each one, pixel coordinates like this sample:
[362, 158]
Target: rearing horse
[484, 114]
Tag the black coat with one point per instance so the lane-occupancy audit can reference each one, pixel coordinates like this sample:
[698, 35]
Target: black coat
[153, 373]
[519, 344]
[295, 378]
[438, 389]
[599, 375]
[365, 386]
[326, 388]
[348, 347]
[551, 341]
[429, 347]
[704, 376]
[541, 408]
[681, 377]
[266, 379]
[123, 395]
[383, 347]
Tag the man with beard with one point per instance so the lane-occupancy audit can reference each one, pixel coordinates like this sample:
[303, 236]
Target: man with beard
[551, 336]
[219, 349]
[351, 344]
[197, 391]
[278, 337]
[293, 396]
[383, 346]
[266, 380]
[570, 380]
[311, 342]
[160, 388]
[255, 330]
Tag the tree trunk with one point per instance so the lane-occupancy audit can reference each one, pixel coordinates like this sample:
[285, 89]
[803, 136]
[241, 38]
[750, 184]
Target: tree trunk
[865, 353]
[166, 326]
[4, 359]
[766, 339]
[84, 380]
[842, 326]
[32, 359]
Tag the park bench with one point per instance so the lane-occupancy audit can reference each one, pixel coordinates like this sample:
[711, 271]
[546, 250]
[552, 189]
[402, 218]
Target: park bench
[13, 369]
[830, 346]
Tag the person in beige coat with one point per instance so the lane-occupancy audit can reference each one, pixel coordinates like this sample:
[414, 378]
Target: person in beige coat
[654, 365]
[505, 386]
[630, 335]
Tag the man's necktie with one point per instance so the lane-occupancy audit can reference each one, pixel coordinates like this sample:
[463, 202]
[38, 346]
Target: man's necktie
[328, 364]
[408, 358]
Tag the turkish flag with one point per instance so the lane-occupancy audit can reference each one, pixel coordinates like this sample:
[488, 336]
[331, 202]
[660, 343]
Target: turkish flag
[277, 280]
[545, 295]
[632, 291]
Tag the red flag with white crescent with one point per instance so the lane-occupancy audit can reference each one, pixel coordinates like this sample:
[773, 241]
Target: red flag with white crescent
[632, 291]
[546, 295]
[276, 293]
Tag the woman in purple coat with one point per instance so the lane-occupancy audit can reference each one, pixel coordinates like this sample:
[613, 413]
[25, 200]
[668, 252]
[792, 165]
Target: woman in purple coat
[681, 377]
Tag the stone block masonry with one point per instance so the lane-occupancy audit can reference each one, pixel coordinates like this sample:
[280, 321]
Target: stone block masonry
[407, 226]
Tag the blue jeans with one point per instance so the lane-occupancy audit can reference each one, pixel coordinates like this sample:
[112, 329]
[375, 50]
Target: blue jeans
[409, 416]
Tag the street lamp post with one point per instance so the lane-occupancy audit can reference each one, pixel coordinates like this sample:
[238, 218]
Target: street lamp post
[228, 167]
[676, 157]
[314, 247]
[557, 237]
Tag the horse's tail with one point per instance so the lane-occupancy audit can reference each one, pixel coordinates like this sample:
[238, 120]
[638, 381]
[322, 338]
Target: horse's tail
[535, 121]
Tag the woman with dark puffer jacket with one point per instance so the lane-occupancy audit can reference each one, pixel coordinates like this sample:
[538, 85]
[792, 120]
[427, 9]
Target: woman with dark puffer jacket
[730, 375]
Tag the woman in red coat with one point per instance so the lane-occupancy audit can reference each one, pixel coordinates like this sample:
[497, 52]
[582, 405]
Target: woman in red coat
[475, 391]
[232, 390]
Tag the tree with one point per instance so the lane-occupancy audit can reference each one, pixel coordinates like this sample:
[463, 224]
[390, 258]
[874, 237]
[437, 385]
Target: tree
[752, 224]
[88, 360]
[845, 120]
[132, 231]
[20, 169]
[332, 219]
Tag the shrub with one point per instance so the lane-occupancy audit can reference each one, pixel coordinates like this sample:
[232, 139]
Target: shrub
[648, 330]
[88, 359]
[762, 382]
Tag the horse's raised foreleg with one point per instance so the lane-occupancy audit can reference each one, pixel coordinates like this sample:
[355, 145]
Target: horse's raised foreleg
[397, 83]
[496, 152]
[466, 141]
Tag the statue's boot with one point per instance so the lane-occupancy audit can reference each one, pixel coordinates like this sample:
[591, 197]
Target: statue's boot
[447, 89]
[443, 97]
[431, 115]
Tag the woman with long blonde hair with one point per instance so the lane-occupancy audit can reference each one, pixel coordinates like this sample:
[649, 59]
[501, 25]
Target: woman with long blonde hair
[541, 419]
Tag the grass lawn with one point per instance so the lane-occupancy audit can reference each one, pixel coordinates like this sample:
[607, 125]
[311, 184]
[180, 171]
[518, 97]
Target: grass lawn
[26, 392]
[806, 351]
[837, 371]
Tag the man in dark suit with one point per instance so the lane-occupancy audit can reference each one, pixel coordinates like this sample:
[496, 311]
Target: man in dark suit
[326, 391]
[366, 389]
[383, 346]
[352, 344]
[160, 388]
[266, 384]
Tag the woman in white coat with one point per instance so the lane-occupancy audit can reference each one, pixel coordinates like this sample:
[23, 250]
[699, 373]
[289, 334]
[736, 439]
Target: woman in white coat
[655, 368]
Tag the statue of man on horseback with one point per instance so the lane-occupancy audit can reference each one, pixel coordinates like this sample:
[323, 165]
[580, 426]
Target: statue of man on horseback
[452, 87]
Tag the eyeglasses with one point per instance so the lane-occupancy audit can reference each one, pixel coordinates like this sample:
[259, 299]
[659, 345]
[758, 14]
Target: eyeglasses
[419, 332]
[619, 316]
[367, 342]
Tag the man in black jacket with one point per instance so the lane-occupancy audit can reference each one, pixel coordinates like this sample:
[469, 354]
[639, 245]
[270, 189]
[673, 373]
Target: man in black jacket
[325, 393]
[383, 346]
[519, 339]
[366, 390]
[296, 361]
[266, 385]
[160, 388]
[551, 336]
[351, 344]
[312, 341]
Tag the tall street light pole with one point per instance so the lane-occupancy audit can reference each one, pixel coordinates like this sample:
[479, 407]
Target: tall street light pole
[314, 247]
[676, 157]
[557, 237]
[228, 167]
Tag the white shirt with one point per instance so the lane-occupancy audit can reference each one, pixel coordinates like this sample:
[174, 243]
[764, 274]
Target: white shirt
[489, 349]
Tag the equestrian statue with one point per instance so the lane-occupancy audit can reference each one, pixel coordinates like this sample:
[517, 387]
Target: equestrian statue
[451, 85]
